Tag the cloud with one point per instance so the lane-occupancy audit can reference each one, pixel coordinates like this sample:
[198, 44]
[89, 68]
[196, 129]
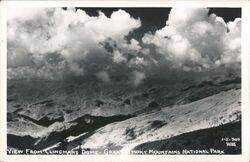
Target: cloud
[232, 42]
[137, 77]
[196, 40]
[53, 43]
[44, 38]
[103, 76]
[118, 57]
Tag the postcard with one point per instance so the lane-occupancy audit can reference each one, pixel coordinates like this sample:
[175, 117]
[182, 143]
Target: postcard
[124, 80]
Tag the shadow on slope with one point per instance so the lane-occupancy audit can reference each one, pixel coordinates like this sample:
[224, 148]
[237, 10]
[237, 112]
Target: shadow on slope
[45, 121]
[205, 139]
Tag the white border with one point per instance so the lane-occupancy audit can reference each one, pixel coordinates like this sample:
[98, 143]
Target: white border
[244, 4]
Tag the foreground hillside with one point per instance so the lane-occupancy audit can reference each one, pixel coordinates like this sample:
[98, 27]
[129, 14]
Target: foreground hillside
[205, 141]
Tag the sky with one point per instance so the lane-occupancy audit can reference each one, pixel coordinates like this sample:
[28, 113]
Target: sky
[159, 17]
[127, 44]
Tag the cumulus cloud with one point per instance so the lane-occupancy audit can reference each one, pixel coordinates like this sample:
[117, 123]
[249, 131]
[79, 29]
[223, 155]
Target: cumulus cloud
[196, 40]
[41, 39]
[232, 42]
[54, 43]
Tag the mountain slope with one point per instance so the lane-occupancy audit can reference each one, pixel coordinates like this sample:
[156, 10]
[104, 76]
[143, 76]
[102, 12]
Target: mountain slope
[209, 112]
[207, 141]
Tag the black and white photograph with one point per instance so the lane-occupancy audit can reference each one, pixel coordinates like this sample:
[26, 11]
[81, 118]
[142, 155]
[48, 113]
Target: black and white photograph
[124, 81]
